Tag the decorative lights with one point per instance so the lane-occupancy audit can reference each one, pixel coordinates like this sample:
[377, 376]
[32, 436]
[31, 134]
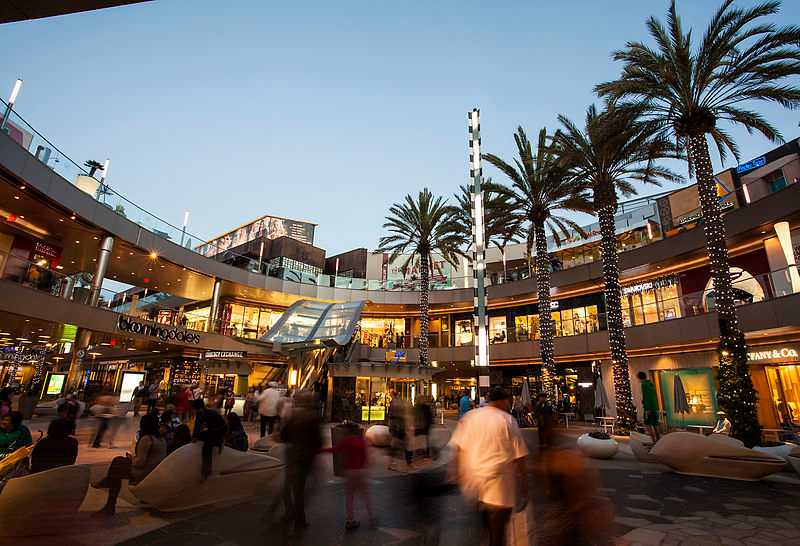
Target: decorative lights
[479, 242]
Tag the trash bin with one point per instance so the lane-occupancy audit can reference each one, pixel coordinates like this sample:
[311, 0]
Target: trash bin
[338, 433]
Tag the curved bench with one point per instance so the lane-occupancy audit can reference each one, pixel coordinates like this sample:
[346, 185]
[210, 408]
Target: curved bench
[176, 483]
[39, 503]
[714, 456]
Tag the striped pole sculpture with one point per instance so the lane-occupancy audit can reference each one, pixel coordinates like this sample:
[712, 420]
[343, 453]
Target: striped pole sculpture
[478, 247]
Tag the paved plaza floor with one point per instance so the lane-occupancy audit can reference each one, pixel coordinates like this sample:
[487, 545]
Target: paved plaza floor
[634, 503]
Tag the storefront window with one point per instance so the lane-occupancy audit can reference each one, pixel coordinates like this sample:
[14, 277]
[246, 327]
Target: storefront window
[784, 384]
[650, 301]
[497, 330]
[463, 333]
[522, 328]
[699, 388]
[382, 332]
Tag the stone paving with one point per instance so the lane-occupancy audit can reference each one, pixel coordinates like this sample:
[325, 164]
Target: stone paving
[639, 504]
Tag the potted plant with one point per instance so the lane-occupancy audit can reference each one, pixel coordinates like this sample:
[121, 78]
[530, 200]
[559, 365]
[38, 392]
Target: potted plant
[598, 445]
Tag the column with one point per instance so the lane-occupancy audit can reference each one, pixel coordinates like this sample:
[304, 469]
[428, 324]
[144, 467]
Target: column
[329, 399]
[82, 338]
[214, 311]
[106, 246]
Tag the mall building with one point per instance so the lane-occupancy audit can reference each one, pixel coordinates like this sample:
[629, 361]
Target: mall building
[215, 312]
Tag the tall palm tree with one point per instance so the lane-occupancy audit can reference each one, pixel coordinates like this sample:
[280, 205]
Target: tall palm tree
[690, 87]
[420, 228]
[501, 223]
[612, 152]
[541, 187]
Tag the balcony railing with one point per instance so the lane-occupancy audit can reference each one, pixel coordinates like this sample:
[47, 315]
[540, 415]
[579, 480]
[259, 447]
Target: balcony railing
[22, 132]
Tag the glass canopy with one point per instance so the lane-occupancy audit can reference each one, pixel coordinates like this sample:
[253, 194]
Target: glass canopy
[309, 322]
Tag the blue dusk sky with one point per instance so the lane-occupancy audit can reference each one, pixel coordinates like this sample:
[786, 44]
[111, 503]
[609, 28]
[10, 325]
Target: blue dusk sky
[319, 111]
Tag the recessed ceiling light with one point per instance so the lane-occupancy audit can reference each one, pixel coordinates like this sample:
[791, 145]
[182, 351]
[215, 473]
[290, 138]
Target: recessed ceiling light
[77, 242]
[153, 255]
[156, 351]
[60, 219]
[95, 238]
[72, 217]
[21, 216]
[22, 187]
[16, 197]
[131, 348]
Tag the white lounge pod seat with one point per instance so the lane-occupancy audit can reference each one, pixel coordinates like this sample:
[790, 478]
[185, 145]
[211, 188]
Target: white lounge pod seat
[641, 444]
[597, 448]
[39, 503]
[176, 483]
[715, 456]
[378, 436]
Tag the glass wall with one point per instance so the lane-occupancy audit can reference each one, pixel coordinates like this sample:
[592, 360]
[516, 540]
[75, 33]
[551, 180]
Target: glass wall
[651, 301]
[497, 330]
[699, 388]
[384, 333]
[568, 322]
[784, 383]
[248, 321]
[463, 332]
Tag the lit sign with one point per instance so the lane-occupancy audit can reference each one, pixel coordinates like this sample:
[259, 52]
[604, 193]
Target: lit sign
[648, 285]
[698, 215]
[127, 324]
[210, 355]
[40, 247]
[396, 356]
[130, 380]
[55, 383]
[554, 304]
[782, 353]
[373, 413]
[752, 164]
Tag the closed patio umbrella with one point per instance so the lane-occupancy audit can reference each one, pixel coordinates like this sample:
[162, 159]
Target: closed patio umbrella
[526, 394]
[679, 396]
[600, 397]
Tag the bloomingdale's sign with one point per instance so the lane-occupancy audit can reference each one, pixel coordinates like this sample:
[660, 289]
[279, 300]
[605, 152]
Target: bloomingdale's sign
[777, 354]
[164, 333]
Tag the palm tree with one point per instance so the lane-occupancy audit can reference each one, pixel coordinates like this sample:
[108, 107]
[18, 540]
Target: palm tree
[501, 223]
[609, 154]
[541, 186]
[419, 228]
[690, 88]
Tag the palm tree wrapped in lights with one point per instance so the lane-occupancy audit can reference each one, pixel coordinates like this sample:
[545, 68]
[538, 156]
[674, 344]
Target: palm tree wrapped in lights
[420, 228]
[541, 186]
[613, 151]
[688, 88]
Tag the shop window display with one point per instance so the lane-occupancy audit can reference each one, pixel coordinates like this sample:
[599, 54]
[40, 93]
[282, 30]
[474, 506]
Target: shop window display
[497, 330]
[651, 301]
[784, 382]
[463, 333]
[382, 332]
[700, 390]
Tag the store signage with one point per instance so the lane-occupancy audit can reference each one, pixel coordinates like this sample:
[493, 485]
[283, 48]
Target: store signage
[223, 355]
[752, 164]
[648, 285]
[127, 324]
[694, 217]
[780, 354]
[396, 356]
[554, 304]
[40, 247]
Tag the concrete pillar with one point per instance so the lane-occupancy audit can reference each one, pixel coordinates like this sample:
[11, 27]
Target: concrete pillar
[214, 311]
[82, 339]
[329, 398]
[106, 246]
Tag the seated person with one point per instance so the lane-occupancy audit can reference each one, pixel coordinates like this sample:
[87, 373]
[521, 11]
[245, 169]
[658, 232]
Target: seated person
[149, 452]
[181, 437]
[723, 426]
[13, 434]
[236, 437]
[56, 449]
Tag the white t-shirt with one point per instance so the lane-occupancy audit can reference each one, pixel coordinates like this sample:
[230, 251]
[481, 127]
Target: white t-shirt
[268, 402]
[489, 440]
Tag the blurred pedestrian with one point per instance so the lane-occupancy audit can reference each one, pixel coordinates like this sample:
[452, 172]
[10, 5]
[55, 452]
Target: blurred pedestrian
[181, 437]
[139, 397]
[464, 404]
[104, 410]
[545, 422]
[303, 438]
[183, 403]
[423, 421]
[268, 408]
[56, 449]
[69, 408]
[490, 463]
[150, 450]
[353, 450]
[249, 405]
[13, 434]
[399, 423]
[152, 397]
[230, 400]
[236, 437]
[209, 428]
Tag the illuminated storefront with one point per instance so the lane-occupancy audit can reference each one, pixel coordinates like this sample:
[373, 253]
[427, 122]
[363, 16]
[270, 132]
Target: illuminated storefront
[651, 301]
[782, 368]
[382, 332]
[699, 388]
[247, 320]
[571, 317]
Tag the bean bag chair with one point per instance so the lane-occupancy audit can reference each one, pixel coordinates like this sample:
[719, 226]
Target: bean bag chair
[176, 484]
[42, 502]
[715, 456]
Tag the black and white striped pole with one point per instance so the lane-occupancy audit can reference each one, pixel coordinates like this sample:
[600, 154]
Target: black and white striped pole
[481, 361]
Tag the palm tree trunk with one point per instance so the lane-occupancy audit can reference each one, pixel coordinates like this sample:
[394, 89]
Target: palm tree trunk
[545, 318]
[736, 393]
[626, 412]
[424, 272]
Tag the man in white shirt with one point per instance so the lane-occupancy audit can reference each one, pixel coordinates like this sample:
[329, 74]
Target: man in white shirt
[490, 462]
[268, 407]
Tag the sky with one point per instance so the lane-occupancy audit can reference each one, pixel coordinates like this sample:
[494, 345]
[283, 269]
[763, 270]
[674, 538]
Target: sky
[320, 111]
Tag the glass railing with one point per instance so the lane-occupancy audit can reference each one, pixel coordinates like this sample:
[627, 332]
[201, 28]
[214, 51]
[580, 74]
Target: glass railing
[90, 182]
